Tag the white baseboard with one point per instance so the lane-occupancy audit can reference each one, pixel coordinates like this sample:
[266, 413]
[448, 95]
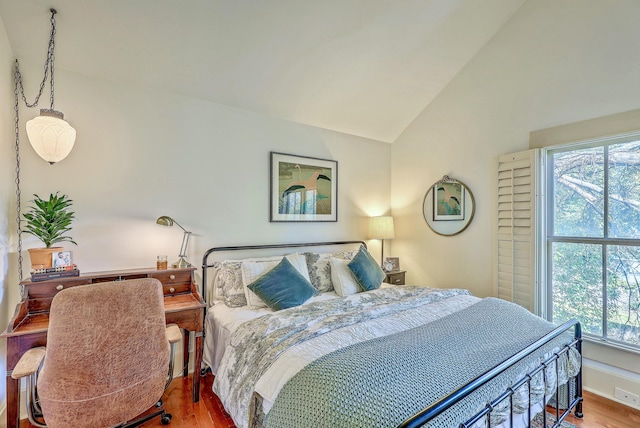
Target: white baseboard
[602, 379]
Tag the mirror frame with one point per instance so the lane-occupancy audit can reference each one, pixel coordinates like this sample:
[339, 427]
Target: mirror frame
[427, 202]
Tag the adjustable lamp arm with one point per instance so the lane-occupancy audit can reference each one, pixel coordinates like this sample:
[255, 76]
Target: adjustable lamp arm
[185, 243]
[180, 226]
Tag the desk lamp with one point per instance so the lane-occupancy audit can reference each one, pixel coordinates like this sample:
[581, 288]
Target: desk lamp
[182, 262]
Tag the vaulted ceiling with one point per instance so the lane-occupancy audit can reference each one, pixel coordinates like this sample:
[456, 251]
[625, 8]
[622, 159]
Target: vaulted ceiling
[362, 67]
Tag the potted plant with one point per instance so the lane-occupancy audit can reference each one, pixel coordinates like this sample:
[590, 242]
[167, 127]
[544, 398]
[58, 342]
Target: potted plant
[48, 220]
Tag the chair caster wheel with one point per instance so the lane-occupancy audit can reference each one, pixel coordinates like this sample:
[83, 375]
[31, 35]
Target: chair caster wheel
[166, 419]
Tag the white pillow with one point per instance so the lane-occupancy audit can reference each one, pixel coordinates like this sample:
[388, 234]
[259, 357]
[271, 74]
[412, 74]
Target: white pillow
[342, 278]
[252, 270]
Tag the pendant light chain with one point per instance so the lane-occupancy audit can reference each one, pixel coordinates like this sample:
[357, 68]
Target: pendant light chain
[16, 78]
[50, 55]
[47, 65]
[17, 92]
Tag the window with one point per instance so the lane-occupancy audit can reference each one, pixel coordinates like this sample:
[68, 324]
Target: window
[593, 238]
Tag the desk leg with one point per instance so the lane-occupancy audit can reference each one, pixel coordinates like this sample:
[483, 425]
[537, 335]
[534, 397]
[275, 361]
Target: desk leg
[185, 353]
[13, 402]
[197, 366]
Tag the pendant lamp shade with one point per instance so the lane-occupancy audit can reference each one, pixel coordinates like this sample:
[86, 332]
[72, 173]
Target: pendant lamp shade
[51, 136]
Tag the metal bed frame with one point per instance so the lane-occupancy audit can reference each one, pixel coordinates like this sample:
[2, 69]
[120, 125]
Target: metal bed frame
[573, 387]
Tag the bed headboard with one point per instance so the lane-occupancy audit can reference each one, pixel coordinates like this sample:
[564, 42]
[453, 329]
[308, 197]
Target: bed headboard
[208, 259]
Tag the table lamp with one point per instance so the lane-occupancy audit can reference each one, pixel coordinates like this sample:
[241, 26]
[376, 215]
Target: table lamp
[182, 261]
[381, 228]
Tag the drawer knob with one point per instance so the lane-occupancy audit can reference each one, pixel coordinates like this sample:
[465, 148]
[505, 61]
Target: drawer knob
[59, 287]
[172, 290]
[172, 277]
[397, 280]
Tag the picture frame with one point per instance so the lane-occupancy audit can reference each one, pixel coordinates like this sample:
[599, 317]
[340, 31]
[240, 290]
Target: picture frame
[392, 264]
[448, 200]
[61, 259]
[302, 189]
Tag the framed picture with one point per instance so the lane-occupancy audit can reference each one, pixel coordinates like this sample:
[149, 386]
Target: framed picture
[61, 259]
[303, 188]
[448, 201]
[391, 264]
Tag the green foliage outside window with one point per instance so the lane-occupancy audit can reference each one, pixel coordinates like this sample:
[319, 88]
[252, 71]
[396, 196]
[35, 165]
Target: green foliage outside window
[595, 266]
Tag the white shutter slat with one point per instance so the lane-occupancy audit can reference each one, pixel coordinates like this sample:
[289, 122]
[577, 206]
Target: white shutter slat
[516, 162]
[516, 228]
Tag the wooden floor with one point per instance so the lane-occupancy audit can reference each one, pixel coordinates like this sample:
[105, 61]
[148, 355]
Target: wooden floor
[208, 412]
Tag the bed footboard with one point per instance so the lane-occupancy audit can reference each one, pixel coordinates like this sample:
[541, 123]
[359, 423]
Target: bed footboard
[573, 391]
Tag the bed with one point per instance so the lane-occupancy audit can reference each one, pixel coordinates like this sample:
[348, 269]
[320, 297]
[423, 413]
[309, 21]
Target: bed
[350, 351]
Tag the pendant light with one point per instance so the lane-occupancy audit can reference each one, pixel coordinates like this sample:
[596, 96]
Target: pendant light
[50, 135]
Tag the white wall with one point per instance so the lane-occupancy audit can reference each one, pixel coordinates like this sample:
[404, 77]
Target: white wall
[554, 62]
[7, 194]
[141, 153]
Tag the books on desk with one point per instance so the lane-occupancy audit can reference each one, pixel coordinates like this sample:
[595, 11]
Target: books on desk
[53, 273]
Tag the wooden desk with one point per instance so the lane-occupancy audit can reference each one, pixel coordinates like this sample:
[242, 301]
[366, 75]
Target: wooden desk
[27, 329]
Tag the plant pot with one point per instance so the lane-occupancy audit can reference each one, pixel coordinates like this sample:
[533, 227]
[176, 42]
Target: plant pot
[42, 257]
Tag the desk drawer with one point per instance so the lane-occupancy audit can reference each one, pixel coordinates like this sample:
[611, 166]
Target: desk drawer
[178, 281]
[50, 288]
[41, 294]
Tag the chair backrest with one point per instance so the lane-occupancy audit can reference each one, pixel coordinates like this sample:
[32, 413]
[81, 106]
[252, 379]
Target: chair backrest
[107, 354]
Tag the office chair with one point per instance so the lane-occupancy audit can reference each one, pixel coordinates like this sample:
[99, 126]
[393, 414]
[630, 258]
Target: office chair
[109, 357]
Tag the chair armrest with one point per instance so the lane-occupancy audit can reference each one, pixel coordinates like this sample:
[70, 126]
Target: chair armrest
[173, 333]
[28, 363]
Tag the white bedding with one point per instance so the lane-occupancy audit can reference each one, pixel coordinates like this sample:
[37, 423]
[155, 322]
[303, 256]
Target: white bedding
[222, 321]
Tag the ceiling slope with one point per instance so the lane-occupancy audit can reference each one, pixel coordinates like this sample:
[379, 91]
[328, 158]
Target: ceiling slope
[362, 67]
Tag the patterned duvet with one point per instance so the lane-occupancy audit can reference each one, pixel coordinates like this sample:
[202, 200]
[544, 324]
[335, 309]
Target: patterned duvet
[333, 332]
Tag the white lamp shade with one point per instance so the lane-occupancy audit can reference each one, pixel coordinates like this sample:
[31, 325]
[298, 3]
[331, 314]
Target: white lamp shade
[381, 227]
[52, 138]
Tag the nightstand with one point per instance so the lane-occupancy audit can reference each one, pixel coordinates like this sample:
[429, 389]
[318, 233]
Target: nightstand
[395, 277]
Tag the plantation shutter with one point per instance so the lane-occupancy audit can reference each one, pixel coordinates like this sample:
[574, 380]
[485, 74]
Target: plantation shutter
[517, 249]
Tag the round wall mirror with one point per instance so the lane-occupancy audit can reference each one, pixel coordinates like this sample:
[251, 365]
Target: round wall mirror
[448, 206]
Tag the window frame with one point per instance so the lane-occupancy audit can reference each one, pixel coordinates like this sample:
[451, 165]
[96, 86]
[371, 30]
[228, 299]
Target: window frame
[549, 238]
